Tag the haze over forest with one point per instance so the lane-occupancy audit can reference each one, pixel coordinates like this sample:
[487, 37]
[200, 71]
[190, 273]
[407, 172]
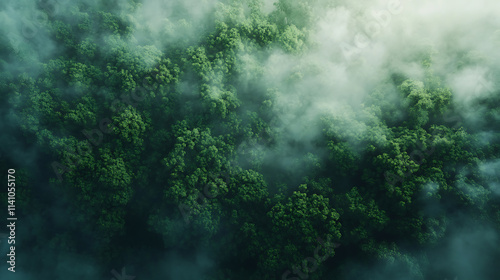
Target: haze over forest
[252, 139]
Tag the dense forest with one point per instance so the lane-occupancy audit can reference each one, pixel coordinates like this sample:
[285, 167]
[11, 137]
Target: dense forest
[251, 139]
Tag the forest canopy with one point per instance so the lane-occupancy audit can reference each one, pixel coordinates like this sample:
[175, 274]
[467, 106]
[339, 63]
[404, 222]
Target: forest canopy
[254, 139]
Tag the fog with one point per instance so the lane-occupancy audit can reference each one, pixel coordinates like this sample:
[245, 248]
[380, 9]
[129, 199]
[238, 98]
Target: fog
[347, 53]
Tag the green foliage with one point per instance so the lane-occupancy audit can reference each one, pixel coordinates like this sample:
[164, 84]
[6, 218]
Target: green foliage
[181, 143]
[292, 39]
[301, 219]
[422, 102]
[130, 126]
[361, 216]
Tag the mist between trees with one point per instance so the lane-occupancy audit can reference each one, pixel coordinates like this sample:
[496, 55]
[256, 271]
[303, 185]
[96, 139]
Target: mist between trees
[252, 139]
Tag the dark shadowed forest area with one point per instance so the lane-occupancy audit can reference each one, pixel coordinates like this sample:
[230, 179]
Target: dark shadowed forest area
[250, 139]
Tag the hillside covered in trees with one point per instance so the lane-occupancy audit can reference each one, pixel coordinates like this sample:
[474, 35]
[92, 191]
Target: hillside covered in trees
[253, 139]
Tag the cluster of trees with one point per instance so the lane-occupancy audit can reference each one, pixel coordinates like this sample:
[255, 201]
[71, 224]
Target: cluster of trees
[176, 165]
